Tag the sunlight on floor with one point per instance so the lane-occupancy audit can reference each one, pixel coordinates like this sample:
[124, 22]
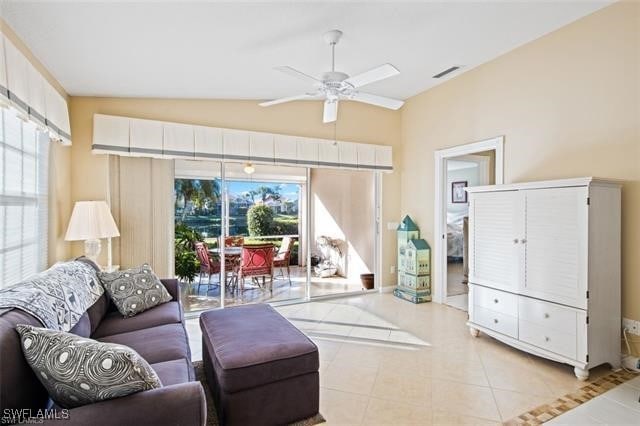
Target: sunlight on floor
[340, 322]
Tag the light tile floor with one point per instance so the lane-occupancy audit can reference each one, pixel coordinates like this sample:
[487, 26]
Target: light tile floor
[619, 406]
[202, 297]
[386, 361]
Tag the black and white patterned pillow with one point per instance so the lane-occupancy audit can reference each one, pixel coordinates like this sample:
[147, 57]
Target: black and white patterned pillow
[134, 290]
[78, 371]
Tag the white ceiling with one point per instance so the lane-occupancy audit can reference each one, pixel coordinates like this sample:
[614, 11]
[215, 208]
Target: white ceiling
[228, 50]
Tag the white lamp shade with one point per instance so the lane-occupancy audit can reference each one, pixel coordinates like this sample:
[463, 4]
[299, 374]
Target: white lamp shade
[91, 220]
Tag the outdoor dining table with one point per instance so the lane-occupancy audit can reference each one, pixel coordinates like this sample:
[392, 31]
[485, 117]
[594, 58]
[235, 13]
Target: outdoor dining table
[232, 255]
[228, 251]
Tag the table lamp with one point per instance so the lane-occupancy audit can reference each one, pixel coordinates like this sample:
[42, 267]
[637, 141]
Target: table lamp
[90, 221]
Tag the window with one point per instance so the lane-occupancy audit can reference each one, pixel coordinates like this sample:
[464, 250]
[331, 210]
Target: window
[24, 153]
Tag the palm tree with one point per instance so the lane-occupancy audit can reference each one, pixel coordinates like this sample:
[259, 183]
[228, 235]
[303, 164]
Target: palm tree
[264, 192]
[185, 188]
[196, 192]
[210, 189]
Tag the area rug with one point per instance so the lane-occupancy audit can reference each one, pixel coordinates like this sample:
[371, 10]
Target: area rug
[546, 412]
[212, 416]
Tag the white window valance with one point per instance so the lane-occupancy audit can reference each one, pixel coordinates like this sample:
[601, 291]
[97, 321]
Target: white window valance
[134, 137]
[23, 88]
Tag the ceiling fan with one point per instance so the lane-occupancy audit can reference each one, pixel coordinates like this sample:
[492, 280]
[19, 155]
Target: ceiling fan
[335, 85]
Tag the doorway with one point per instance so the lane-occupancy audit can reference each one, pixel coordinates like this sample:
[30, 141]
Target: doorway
[458, 168]
[462, 172]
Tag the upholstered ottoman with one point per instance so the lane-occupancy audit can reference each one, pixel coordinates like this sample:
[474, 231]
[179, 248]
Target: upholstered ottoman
[260, 368]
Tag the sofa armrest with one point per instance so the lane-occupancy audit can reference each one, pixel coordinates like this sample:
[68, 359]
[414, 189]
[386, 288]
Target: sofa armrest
[173, 287]
[181, 404]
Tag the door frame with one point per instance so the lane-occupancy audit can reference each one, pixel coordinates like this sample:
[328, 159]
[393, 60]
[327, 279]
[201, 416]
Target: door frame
[441, 156]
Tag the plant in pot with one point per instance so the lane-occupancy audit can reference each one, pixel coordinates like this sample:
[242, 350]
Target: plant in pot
[187, 265]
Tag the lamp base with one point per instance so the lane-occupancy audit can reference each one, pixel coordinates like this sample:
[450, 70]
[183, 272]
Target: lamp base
[92, 249]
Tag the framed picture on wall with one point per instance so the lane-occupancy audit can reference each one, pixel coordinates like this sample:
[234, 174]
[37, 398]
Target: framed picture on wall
[458, 194]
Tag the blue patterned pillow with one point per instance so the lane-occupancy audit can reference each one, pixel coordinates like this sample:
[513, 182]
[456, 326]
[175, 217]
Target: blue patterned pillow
[78, 371]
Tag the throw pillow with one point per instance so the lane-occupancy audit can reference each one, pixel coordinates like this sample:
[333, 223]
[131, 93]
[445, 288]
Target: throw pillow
[78, 371]
[134, 290]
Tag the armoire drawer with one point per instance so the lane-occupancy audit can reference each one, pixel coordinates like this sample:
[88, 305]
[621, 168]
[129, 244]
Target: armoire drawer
[497, 321]
[549, 339]
[547, 315]
[495, 300]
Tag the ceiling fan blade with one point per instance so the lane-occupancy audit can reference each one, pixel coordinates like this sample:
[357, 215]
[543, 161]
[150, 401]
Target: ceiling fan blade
[381, 101]
[298, 74]
[330, 111]
[373, 75]
[287, 99]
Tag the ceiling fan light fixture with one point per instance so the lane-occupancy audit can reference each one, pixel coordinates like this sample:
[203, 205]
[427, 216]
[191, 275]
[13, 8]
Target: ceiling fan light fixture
[249, 168]
[336, 85]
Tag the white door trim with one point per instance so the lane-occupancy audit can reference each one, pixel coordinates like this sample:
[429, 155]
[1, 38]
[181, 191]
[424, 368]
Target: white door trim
[377, 257]
[440, 226]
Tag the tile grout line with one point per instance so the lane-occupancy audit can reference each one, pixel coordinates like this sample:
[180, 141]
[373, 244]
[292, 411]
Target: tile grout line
[493, 395]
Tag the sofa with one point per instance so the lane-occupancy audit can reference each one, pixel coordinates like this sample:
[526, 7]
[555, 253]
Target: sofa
[158, 335]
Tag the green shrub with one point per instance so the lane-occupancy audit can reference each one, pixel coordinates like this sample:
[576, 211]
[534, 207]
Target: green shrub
[187, 265]
[259, 220]
[284, 228]
[185, 236]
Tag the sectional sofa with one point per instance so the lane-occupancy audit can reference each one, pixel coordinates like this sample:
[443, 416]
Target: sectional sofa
[158, 335]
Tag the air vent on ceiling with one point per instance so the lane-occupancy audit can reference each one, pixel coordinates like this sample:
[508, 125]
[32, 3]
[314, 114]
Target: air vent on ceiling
[445, 72]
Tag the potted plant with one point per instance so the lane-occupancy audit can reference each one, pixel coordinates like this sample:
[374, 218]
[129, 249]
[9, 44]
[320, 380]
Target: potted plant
[187, 265]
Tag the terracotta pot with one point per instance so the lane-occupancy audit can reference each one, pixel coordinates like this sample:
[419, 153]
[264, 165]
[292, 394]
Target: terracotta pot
[367, 281]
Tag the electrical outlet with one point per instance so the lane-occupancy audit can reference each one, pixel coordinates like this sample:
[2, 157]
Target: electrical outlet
[632, 326]
[392, 269]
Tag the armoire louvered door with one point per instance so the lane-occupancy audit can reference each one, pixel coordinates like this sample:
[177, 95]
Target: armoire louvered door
[556, 246]
[494, 243]
[544, 271]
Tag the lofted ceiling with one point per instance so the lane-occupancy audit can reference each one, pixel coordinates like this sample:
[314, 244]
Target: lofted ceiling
[227, 50]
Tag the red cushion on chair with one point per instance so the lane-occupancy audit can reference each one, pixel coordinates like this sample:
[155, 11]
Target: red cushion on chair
[256, 260]
[207, 264]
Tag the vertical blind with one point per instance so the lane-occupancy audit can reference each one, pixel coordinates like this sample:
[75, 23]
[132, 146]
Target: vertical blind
[24, 152]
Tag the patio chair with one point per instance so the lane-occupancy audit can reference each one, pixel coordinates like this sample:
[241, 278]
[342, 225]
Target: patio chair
[208, 265]
[283, 257]
[256, 261]
[235, 241]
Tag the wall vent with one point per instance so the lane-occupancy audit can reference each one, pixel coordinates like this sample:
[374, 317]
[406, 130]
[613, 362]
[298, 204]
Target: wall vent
[445, 72]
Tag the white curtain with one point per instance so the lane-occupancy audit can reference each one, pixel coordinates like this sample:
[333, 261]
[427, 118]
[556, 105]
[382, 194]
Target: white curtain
[142, 202]
[24, 154]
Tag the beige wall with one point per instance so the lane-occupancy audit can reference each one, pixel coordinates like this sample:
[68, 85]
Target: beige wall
[568, 105]
[358, 122]
[59, 167]
[59, 201]
[342, 207]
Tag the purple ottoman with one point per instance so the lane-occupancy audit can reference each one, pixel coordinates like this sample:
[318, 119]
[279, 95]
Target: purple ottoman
[261, 369]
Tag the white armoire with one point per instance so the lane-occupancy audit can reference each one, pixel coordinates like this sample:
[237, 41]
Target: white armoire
[544, 269]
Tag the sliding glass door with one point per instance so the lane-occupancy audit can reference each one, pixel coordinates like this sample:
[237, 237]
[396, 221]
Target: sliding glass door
[198, 190]
[319, 224]
[264, 208]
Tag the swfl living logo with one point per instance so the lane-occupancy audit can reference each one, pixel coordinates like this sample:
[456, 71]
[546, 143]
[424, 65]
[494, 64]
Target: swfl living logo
[29, 416]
